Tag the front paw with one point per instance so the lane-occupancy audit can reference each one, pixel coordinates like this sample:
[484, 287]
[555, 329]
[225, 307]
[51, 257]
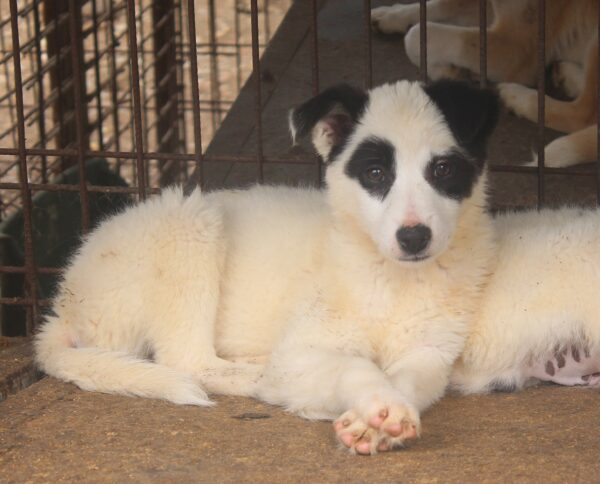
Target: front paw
[378, 428]
[519, 99]
[391, 20]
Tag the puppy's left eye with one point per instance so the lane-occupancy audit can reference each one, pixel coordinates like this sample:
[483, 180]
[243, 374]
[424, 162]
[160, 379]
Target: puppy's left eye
[375, 174]
[443, 169]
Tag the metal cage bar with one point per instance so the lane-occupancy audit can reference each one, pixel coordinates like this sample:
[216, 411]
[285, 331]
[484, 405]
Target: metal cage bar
[30, 266]
[541, 52]
[258, 90]
[483, 43]
[423, 40]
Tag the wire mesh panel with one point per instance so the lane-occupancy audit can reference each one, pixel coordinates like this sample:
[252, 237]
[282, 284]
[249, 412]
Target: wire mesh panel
[124, 91]
[103, 102]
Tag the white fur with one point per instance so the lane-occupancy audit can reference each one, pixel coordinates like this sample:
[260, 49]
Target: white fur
[299, 297]
[542, 295]
[306, 280]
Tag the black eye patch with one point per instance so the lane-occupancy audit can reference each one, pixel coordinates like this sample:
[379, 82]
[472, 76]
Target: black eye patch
[373, 165]
[452, 174]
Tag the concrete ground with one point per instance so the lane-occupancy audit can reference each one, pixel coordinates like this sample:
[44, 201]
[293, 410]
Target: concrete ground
[53, 432]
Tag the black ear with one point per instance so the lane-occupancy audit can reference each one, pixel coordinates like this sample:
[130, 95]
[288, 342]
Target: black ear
[471, 112]
[330, 116]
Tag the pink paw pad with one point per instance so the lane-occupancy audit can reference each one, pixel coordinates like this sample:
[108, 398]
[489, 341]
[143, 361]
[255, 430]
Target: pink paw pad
[347, 439]
[363, 447]
[378, 419]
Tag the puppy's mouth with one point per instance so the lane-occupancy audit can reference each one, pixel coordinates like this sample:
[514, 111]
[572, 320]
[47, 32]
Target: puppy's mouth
[414, 258]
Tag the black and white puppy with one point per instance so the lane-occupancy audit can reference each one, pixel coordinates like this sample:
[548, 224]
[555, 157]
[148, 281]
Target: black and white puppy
[350, 303]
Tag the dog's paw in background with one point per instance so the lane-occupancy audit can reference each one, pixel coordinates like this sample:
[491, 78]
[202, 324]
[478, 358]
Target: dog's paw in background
[571, 149]
[378, 427]
[569, 77]
[396, 19]
[519, 99]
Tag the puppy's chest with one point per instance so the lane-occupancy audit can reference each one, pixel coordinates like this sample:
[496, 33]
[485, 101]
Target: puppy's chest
[396, 316]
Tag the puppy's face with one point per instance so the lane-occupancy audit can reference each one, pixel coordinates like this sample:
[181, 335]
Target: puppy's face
[403, 159]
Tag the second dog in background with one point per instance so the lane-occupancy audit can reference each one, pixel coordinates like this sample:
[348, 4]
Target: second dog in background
[571, 50]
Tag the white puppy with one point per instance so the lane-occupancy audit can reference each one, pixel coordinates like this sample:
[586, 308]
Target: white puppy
[359, 298]
[540, 315]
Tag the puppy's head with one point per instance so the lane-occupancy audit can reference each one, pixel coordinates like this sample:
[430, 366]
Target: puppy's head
[403, 158]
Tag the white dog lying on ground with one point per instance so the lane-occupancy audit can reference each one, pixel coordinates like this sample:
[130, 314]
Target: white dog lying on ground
[358, 298]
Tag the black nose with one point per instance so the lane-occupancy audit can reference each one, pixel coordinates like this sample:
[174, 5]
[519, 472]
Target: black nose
[413, 239]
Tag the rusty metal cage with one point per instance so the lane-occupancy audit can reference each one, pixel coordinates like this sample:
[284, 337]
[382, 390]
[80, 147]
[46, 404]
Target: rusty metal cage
[144, 86]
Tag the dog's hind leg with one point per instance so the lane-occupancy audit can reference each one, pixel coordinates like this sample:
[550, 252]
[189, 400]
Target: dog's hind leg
[565, 116]
[578, 147]
[449, 45]
[399, 18]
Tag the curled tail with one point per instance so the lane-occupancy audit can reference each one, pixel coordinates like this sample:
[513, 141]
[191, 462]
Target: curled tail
[108, 371]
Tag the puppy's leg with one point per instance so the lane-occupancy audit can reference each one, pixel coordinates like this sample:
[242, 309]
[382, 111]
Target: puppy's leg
[565, 116]
[324, 383]
[399, 18]
[578, 147]
[421, 376]
[183, 296]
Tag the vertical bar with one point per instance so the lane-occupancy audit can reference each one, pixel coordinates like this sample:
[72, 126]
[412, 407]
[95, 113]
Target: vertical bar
[483, 43]
[145, 72]
[541, 99]
[598, 110]
[7, 79]
[97, 75]
[314, 28]
[166, 95]
[41, 94]
[180, 89]
[199, 171]
[267, 21]
[80, 131]
[30, 268]
[58, 45]
[238, 47]
[257, 83]
[315, 47]
[56, 76]
[367, 39]
[423, 41]
[215, 88]
[137, 104]
[113, 78]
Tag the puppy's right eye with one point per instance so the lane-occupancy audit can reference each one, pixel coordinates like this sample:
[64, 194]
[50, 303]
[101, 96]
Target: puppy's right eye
[374, 175]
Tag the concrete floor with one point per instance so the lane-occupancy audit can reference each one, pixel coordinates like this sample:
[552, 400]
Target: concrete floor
[53, 432]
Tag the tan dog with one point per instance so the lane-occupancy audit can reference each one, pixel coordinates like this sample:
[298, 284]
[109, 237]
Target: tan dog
[571, 47]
